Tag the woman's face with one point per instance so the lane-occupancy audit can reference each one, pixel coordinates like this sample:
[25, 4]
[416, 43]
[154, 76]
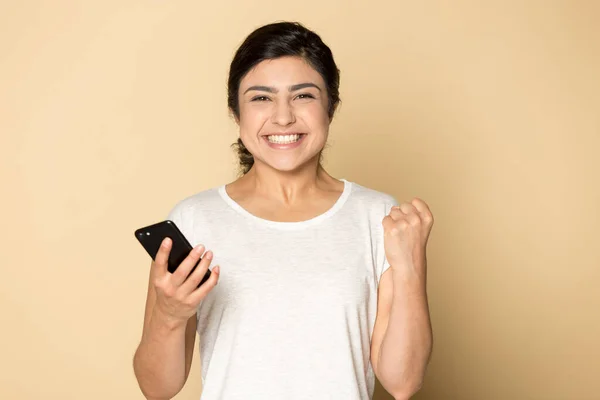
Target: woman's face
[283, 113]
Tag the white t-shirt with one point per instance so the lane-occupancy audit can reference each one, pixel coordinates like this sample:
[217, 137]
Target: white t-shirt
[293, 313]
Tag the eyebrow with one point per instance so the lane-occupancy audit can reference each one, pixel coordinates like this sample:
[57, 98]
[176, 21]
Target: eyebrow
[290, 88]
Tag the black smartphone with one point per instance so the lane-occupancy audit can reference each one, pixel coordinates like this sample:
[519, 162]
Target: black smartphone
[152, 236]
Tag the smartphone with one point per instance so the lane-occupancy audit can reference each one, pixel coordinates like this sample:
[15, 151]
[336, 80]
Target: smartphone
[152, 236]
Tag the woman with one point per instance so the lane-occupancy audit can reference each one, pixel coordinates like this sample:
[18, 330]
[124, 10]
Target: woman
[307, 307]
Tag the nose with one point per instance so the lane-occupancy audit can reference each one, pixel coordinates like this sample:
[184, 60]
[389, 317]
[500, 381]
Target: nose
[283, 114]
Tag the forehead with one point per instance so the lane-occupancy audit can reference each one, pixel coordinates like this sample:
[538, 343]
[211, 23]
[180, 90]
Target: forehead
[284, 71]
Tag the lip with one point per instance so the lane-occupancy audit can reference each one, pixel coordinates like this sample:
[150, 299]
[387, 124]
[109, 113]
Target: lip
[288, 146]
[283, 133]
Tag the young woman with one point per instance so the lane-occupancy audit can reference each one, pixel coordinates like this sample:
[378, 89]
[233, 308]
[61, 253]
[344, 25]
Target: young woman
[324, 280]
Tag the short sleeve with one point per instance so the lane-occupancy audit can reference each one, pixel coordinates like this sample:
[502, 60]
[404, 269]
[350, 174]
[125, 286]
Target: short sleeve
[178, 215]
[175, 215]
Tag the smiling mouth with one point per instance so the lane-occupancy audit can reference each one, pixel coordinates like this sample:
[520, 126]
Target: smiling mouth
[284, 139]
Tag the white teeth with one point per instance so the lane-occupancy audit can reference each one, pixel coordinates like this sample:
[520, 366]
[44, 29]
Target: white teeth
[283, 139]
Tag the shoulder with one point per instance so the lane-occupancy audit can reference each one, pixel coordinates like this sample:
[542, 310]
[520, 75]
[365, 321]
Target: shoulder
[370, 198]
[197, 214]
[207, 200]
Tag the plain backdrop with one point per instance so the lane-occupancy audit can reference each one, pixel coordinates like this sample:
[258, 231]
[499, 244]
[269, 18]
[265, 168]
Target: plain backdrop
[112, 111]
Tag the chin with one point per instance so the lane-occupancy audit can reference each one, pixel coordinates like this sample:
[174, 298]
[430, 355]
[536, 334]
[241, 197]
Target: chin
[285, 166]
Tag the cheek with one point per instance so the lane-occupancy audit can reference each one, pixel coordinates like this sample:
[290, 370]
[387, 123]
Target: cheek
[252, 118]
[314, 115]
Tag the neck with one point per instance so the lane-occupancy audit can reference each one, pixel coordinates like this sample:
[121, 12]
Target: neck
[288, 186]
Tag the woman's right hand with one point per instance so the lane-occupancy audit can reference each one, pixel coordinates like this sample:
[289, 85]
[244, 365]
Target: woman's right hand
[177, 295]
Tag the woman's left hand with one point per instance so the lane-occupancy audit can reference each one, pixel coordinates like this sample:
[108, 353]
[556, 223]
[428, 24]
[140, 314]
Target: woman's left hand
[406, 231]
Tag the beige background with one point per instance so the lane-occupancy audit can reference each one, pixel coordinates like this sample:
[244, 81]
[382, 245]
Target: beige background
[111, 111]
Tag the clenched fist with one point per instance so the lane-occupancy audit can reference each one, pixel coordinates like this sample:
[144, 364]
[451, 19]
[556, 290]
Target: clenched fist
[406, 231]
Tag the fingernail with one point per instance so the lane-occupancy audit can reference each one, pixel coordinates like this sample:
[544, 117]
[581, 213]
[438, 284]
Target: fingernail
[208, 255]
[166, 242]
[217, 269]
[198, 249]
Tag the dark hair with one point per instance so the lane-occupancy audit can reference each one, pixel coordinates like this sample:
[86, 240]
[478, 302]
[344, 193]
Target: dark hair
[277, 40]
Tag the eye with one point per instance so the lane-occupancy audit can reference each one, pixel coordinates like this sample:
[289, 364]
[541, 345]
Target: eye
[260, 98]
[305, 96]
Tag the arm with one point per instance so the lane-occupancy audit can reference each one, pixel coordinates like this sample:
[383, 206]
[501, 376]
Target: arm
[401, 345]
[402, 337]
[163, 358]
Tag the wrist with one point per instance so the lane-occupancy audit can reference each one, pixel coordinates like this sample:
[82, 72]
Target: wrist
[165, 322]
[409, 279]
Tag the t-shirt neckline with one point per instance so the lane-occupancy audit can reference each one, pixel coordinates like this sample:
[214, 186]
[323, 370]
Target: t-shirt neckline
[289, 225]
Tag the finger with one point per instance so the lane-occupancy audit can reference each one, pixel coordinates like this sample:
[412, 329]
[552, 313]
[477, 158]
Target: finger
[396, 213]
[423, 209]
[411, 215]
[198, 294]
[408, 208]
[389, 226]
[161, 260]
[183, 270]
[194, 279]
